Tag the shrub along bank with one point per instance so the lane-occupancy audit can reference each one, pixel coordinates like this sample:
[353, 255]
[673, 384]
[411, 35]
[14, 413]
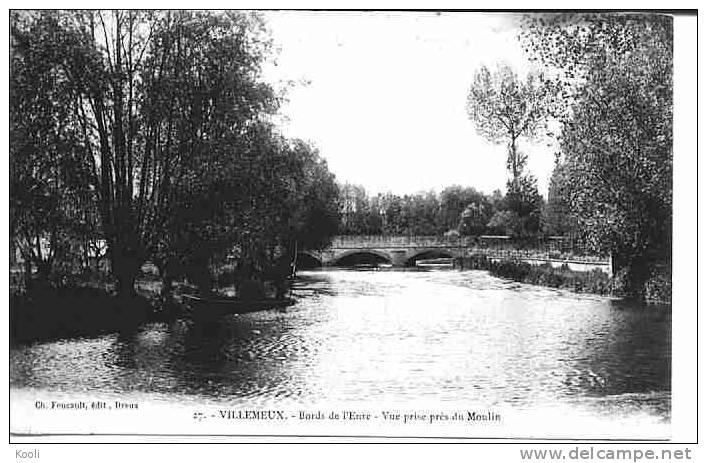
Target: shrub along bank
[82, 306]
[46, 313]
[657, 288]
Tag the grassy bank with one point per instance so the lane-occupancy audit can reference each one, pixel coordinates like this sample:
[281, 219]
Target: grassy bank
[87, 305]
[53, 313]
[657, 288]
[81, 306]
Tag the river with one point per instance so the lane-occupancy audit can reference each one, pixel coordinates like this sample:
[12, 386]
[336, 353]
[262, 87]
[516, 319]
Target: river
[379, 337]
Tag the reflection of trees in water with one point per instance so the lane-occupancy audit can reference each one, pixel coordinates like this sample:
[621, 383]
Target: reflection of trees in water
[141, 357]
[168, 358]
[202, 346]
[628, 353]
[496, 344]
[125, 351]
[22, 365]
[210, 355]
[235, 356]
[313, 284]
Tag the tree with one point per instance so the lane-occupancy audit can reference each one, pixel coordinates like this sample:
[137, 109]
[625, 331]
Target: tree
[50, 197]
[376, 216]
[457, 209]
[474, 219]
[421, 210]
[525, 201]
[557, 217]
[454, 201]
[507, 222]
[616, 71]
[316, 207]
[354, 209]
[505, 109]
[391, 212]
[159, 99]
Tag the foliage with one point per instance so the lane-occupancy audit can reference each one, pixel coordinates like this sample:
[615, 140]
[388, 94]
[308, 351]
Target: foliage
[504, 108]
[557, 218]
[143, 100]
[616, 72]
[472, 206]
[461, 209]
[357, 215]
[50, 197]
[524, 200]
[317, 204]
[159, 119]
[506, 223]
[594, 281]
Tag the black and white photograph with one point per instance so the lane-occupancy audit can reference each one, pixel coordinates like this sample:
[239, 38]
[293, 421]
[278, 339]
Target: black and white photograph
[343, 224]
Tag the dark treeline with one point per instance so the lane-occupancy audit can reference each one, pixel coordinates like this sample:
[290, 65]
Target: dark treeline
[455, 210]
[145, 135]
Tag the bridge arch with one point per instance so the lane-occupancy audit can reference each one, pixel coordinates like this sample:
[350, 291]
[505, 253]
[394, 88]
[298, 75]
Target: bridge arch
[428, 254]
[362, 256]
[308, 260]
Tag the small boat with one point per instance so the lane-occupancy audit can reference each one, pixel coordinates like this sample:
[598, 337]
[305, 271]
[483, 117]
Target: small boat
[442, 262]
[213, 307]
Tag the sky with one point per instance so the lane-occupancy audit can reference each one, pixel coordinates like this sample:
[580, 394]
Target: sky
[382, 95]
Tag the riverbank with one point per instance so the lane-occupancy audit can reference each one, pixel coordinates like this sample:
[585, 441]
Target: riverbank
[658, 288]
[83, 305]
[52, 313]
[88, 305]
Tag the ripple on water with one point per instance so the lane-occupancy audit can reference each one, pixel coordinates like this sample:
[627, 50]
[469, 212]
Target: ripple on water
[379, 336]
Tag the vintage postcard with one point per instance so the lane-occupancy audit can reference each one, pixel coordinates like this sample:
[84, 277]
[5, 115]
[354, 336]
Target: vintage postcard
[342, 224]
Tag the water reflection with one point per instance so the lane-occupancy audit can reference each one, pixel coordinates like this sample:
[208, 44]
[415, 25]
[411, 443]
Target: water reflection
[381, 336]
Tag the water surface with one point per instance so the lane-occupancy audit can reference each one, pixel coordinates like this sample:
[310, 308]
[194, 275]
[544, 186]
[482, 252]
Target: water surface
[385, 336]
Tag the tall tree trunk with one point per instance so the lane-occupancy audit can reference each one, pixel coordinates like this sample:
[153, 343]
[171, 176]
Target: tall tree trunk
[125, 265]
[198, 273]
[126, 283]
[44, 271]
[635, 270]
[166, 293]
[167, 279]
[513, 160]
[28, 274]
[638, 272]
[125, 274]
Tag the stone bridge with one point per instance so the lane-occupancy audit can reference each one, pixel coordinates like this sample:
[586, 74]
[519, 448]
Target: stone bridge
[401, 251]
[396, 250]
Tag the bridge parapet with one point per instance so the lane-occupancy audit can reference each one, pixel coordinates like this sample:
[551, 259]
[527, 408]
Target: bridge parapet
[381, 241]
[400, 249]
